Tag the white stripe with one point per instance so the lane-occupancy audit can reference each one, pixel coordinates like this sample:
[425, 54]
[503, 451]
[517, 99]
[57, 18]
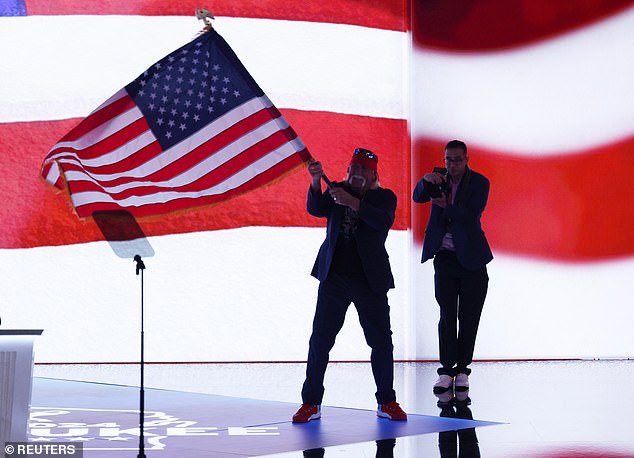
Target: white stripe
[101, 133]
[183, 148]
[540, 309]
[562, 95]
[302, 65]
[177, 151]
[234, 181]
[126, 150]
[53, 174]
[576, 310]
[192, 281]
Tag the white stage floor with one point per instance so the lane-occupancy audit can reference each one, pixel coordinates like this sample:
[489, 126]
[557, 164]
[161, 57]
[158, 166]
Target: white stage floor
[547, 409]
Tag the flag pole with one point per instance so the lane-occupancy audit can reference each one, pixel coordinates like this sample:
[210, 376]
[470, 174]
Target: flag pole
[323, 175]
[326, 180]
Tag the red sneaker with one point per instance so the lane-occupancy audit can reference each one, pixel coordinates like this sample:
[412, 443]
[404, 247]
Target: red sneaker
[392, 411]
[306, 413]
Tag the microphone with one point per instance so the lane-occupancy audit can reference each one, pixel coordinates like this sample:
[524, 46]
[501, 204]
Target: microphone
[139, 263]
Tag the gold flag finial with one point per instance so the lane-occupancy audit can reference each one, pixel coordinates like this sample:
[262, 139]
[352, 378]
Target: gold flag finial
[206, 16]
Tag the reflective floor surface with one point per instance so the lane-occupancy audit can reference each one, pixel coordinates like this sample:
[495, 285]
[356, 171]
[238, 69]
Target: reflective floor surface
[552, 409]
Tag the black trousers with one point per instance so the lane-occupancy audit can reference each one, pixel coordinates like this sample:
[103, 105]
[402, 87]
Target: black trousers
[335, 295]
[460, 293]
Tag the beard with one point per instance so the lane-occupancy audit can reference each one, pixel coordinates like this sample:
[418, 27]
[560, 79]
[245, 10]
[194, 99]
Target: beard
[357, 182]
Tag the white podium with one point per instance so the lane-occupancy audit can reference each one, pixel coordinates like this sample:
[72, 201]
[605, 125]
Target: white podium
[16, 382]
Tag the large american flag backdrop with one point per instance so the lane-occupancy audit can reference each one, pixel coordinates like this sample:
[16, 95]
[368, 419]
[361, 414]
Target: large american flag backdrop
[539, 90]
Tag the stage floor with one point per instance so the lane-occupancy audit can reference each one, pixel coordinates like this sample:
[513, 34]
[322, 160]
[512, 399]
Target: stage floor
[521, 409]
[105, 419]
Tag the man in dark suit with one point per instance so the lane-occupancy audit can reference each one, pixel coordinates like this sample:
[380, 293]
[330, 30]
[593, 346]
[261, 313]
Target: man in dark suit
[352, 266]
[454, 238]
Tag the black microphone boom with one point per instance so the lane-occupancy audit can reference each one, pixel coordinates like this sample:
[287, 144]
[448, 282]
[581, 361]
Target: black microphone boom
[139, 263]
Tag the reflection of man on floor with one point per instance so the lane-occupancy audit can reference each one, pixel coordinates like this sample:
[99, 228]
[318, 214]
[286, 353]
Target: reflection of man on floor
[464, 442]
[352, 267]
[384, 449]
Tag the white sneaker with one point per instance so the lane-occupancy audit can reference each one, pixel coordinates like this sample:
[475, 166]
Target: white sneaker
[444, 383]
[462, 398]
[445, 399]
[462, 382]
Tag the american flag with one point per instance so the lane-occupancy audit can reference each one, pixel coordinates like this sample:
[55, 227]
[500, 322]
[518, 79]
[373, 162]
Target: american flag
[193, 129]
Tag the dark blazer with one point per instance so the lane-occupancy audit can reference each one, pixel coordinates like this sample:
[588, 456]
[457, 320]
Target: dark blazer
[376, 216]
[472, 248]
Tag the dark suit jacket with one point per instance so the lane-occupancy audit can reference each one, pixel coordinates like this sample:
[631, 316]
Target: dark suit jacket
[472, 248]
[376, 216]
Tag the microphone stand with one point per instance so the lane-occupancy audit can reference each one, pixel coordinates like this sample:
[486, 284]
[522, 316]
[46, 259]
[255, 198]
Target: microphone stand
[140, 267]
[127, 240]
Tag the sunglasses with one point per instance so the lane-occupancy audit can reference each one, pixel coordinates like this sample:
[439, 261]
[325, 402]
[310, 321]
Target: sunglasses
[367, 153]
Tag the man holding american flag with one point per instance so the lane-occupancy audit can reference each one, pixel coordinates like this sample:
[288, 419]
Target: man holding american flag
[352, 266]
[195, 129]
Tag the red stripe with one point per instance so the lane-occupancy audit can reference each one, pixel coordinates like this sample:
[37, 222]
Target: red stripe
[238, 163]
[479, 25]
[38, 215]
[598, 451]
[132, 161]
[382, 14]
[260, 180]
[209, 148]
[213, 178]
[563, 207]
[112, 142]
[569, 207]
[116, 140]
[171, 170]
[98, 118]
